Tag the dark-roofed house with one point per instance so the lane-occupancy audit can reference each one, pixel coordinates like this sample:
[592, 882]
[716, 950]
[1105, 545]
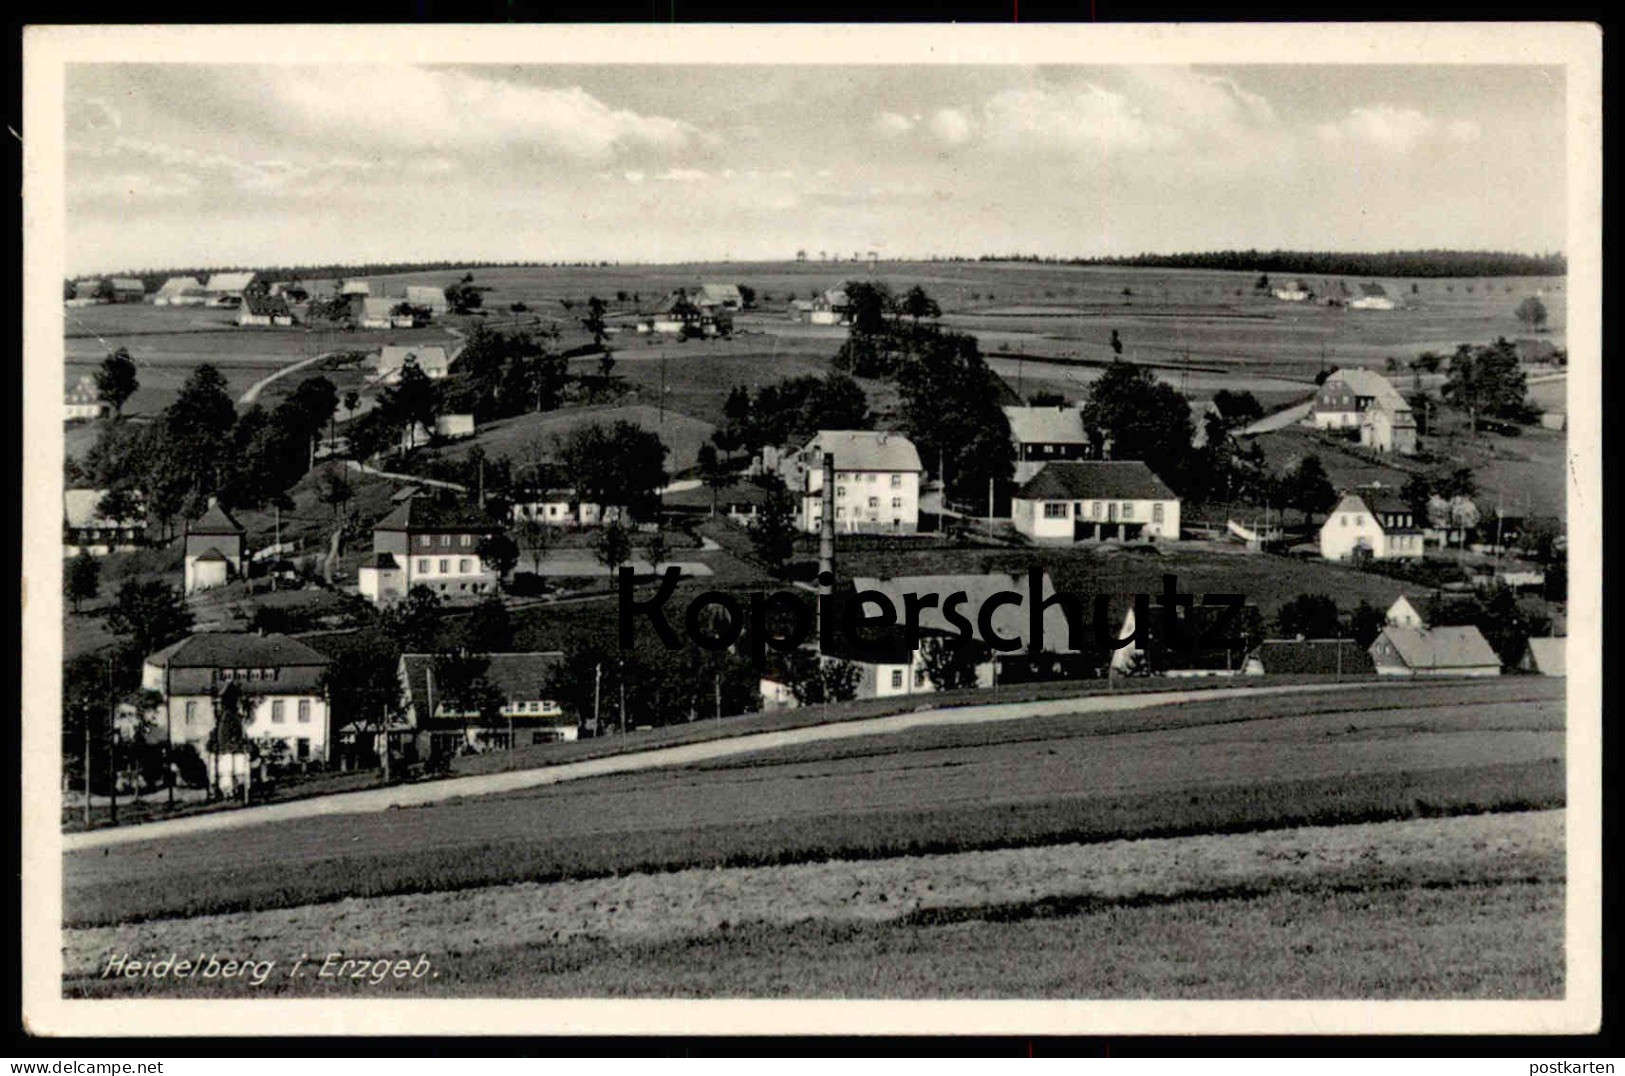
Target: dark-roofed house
[226, 289]
[280, 676]
[877, 481]
[214, 549]
[258, 309]
[428, 545]
[1458, 650]
[128, 289]
[1371, 521]
[1046, 434]
[1310, 657]
[1094, 500]
[529, 713]
[431, 298]
[740, 500]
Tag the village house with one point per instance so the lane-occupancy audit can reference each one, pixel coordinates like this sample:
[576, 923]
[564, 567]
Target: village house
[1046, 434]
[348, 288]
[1294, 292]
[1546, 656]
[877, 481]
[428, 297]
[376, 312]
[84, 401]
[227, 289]
[264, 310]
[128, 289]
[392, 358]
[454, 427]
[1208, 640]
[1389, 425]
[1402, 614]
[281, 679]
[87, 292]
[799, 310]
[180, 291]
[1343, 398]
[740, 501]
[1372, 297]
[719, 297]
[529, 713]
[1309, 657]
[1096, 500]
[214, 550]
[557, 507]
[1372, 521]
[86, 530]
[1459, 650]
[422, 543]
[831, 307]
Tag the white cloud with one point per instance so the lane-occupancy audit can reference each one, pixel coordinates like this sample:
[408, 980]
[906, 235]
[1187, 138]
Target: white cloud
[1085, 117]
[684, 175]
[951, 125]
[448, 110]
[891, 123]
[634, 177]
[1394, 129]
[138, 185]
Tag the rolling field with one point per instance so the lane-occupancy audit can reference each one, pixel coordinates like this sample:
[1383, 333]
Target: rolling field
[1210, 766]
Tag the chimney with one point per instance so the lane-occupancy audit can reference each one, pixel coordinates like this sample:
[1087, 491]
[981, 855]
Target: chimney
[826, 524]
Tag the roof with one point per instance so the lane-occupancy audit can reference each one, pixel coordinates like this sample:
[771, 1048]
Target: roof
[521, 677]
[376, 306]
[1549, 655]
[1314, 656]
[424, 294]
[84, 391]
[178, 285]
[355, 287]
[1047, 425]
[211, 554]
[864, 450]
[266, 305]
[393, 356]
[228, 281]
[384, 562]
[1456, 647]
[1373, 290]
[79, 509]
[422, 514]
[720, 293]
[215, 521]
[1403, 607]
[1376, 500]
[738, 492]
[1363, 382]
[1081, 480]
[230, 649]
[128, 283]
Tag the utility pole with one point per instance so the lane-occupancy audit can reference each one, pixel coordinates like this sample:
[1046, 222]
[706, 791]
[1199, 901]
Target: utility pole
[276, 544]
[623, 696]
[112, 750]
[597, 683]
[718, 684]
[662, 386]
[386, 745]
[85, 715]
[990, 509]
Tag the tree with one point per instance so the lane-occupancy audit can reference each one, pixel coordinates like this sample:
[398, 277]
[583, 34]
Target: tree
[1239, 408]
[362, 683]
[1532, 312]
[197, 435]
[594, 322]
[1117, 341]
[149, 615]
[414, 622]
[773, 531]
[333, 489]
[1309, 490]
[489, 628]
[952, 662]
[712, 472]
[618, 465]
[1313, 616]
[747, 297]
[116, 381]
[498, 553]
[1263, 283]
[813, 680]
[613, 547]
[918, 305]
[1144, 418]
[1366, 623]
[657, 551]
[81, 579]
[1485, 380]
[463, 297]
[536, 537]
[950, 410]
[1416, 493]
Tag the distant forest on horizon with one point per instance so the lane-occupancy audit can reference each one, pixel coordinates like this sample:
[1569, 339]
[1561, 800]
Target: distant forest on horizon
[1393, 263]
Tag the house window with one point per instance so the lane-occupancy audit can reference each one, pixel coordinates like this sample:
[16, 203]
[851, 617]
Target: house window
[1054, 510]
[919, 677]
[1096, 512]
[425, 541]
[191, 712]
[444, 570]
[468, 540]
[896, 481]
[1128, 509]
[462, 567]
[423, 567]
[897, 678]
[302, 749]
[897, 502]
[277, 714]
[304, 711]
[840, 513]
[1342, 521]
[840, 492]
[1156, 513]
[869, 478]
[1359, 521]
[874, 502]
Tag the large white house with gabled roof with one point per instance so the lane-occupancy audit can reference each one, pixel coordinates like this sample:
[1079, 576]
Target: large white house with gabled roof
[1095, 500]
[877, 481]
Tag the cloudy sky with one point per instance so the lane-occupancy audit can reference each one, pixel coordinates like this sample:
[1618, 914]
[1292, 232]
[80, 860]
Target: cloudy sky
[171, 165]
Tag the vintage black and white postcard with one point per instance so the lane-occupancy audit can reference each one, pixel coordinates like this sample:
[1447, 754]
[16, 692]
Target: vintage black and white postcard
[1022, 529]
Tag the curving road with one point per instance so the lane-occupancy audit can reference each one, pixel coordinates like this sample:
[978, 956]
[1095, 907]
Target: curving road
[382, 799]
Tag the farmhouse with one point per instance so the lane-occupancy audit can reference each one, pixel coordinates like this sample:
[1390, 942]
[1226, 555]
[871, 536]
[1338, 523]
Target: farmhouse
[1294, 292]
[446, 725]
[1309, 657]
[799, 310]
[740, 501]
[281, 679]
[392, 359]
[877, 481]
[348, 288]
[128, 289]
[557, 507]
[1342, 399]
[1372, 522]
[421, 543]
[88, 291]
[1546, 657]
[454, 427]
[264, 310]
[1402, 614]
[1372, 297]
[1446, 651]
[180, 291]
[1045, 434]
[214, 550]
[84, 401]
[430, 298]
[1389, 426]
[226, 289]
[719, 297]
[85, 529]
[374, 312]
[831, 308]
[1095, 500]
